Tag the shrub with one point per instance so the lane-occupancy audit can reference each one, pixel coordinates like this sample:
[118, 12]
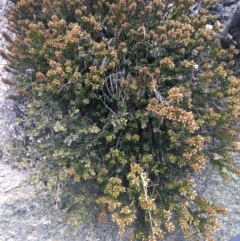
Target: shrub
[134, 95]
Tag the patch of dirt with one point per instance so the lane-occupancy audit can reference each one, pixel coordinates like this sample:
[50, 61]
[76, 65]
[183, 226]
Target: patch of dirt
[27, 213]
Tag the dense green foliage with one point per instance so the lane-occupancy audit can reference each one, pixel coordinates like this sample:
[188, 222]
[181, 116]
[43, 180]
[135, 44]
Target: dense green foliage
[134, 95]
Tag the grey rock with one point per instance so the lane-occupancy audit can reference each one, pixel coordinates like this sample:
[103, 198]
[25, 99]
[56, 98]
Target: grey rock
[219, 10]
[228, 2]
[231, 30]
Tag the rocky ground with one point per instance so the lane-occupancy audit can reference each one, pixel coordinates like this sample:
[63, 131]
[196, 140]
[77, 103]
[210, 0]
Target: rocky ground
[28, 213]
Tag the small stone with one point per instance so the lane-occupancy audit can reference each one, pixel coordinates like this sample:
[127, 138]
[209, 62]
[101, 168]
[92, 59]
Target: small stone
[1, 153]
[228, 2]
